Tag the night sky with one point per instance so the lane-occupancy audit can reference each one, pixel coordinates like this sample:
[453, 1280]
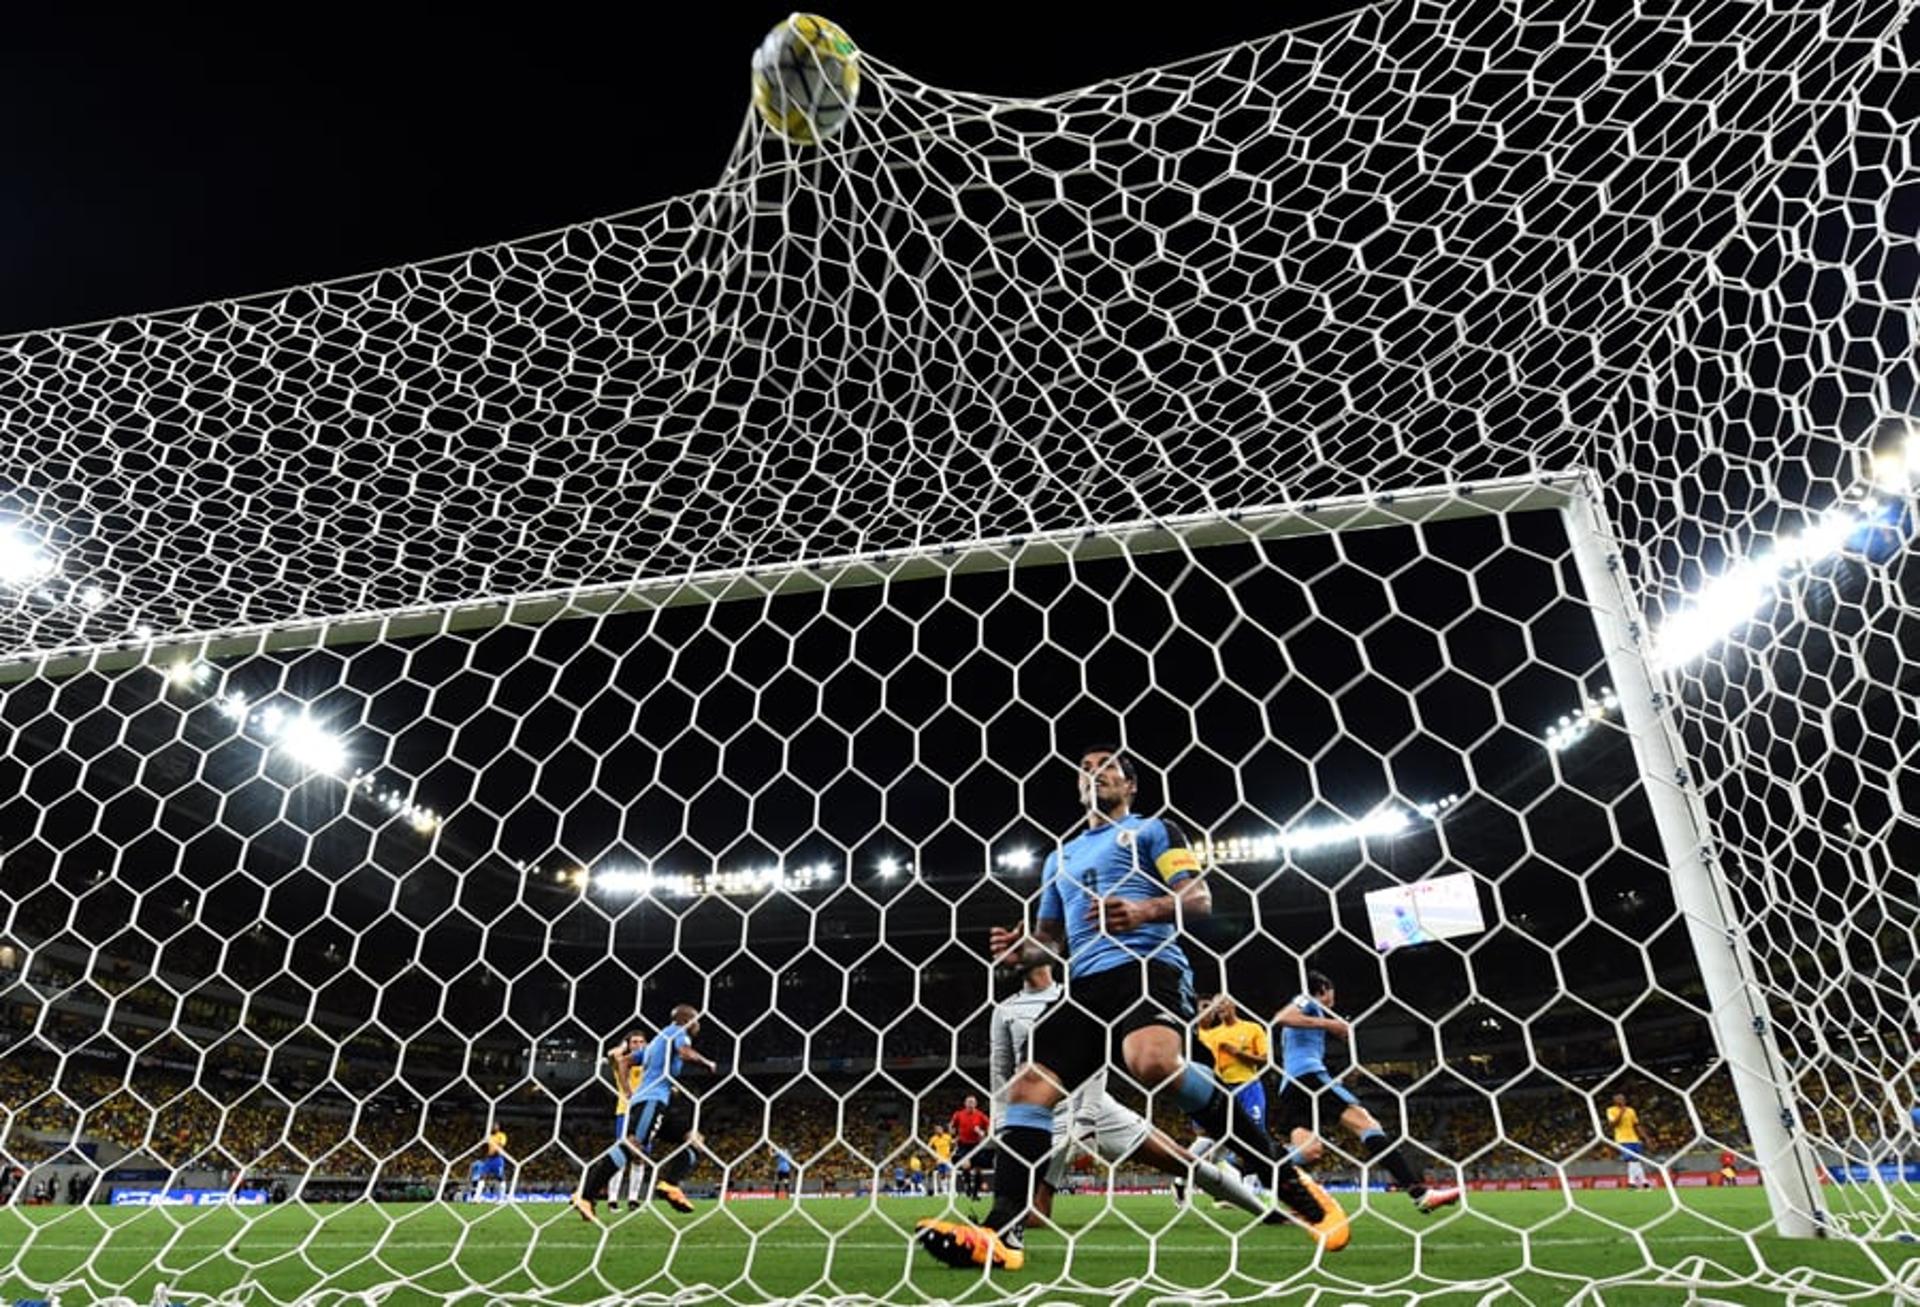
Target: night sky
[164, 160]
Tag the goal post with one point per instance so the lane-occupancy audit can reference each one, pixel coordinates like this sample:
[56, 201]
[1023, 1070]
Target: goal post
[1738, 1007]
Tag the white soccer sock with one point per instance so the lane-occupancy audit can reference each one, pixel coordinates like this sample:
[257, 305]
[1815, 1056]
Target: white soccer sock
[1225, 1183]
[1636, 1173]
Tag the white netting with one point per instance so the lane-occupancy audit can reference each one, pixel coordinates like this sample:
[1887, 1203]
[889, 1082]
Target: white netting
[777, 548]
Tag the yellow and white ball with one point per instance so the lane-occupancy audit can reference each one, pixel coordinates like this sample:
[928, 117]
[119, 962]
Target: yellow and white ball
[806, 77]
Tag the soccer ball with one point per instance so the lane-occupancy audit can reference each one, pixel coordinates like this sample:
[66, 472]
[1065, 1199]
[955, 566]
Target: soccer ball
[806, 76]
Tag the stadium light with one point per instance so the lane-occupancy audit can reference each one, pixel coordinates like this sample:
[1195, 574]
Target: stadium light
[312, 745]
[620, 880]
[182, 674]
[888, 868]
[1898, 470]
[736, 881]
[22, 562]
[1731, 600]
[1382, 823]
[1015, 859]
[1574, 727]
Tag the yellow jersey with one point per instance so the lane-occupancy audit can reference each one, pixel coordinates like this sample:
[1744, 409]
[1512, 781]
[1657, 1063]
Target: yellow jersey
[1231, 1043]
[942, 1145]
[623, 1093]
[1626, 1125]
[496, 1142]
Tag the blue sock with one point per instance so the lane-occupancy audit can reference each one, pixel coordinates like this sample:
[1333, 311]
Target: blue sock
[1195, 1090]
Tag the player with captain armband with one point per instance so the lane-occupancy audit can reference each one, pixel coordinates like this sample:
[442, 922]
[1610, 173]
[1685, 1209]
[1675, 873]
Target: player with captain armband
[1111, 902]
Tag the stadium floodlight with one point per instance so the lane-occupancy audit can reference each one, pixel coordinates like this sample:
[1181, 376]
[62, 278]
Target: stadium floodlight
[1574, 727]
[182, 674]
[889, 867]
[22, 561]
[312, 745]
[1015, 859]
[1898, 470]
[270, 720]
[637, 882]
[93, 597]
[1382, 823]
[1731, 600]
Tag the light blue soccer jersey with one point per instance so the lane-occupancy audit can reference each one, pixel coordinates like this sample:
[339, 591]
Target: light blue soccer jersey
[1302, 1051]
[1134, 858]
[660, 1061]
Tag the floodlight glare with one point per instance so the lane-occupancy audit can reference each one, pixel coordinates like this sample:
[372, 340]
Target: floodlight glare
[21, 561]
[313, 746]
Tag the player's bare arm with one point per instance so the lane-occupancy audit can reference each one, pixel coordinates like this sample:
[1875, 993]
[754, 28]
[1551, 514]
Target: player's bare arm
[1004, 942]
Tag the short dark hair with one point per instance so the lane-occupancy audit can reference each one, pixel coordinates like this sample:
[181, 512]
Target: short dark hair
[1317, 982]
[1120, 757]
[1031, 957]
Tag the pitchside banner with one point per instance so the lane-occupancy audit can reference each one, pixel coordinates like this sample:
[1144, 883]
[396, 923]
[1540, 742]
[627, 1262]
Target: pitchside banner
[1888, 1172]
[186, 1197]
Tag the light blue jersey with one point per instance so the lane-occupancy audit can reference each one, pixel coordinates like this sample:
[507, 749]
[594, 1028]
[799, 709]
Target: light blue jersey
[1133, 858]
[1304, 1050]
[660, 1064]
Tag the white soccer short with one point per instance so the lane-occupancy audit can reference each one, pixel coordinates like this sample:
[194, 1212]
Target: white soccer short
[1092, 1122]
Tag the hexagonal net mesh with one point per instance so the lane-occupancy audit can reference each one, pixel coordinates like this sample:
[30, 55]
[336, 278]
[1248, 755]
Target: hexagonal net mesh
[1461, 457]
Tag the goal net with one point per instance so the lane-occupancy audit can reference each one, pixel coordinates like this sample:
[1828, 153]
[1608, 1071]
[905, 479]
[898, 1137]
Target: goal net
[1462, 457]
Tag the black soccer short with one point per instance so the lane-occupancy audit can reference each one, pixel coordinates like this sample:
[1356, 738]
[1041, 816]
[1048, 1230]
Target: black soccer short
[666, 1123]
[1082, 1032]
[1310, 1101]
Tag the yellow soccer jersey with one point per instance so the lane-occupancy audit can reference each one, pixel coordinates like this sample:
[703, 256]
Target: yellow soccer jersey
[496, 1142]
[1229, 1038]
[942, 1145]
[623, 1094]
[1626, 1125]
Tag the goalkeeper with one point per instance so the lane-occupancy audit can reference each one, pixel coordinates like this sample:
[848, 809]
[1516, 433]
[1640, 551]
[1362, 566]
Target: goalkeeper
[1113, 896]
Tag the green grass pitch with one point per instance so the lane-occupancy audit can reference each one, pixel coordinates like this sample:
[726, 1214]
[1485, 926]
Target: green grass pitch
[756, 1250]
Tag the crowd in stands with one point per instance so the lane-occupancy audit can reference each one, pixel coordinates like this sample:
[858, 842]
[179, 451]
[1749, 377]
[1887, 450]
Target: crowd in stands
[172, 1120]
[121, 1060]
